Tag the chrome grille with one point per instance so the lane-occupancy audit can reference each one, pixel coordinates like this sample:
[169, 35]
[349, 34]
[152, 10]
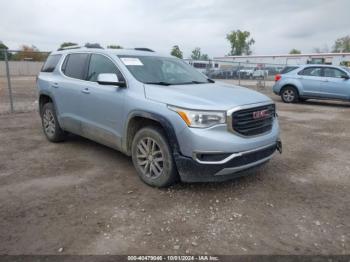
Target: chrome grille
[253, 121]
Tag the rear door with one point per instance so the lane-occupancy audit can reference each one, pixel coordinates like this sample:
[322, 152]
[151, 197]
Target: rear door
[102, 105]
[334, 85]
[310, 78]
[67, 90]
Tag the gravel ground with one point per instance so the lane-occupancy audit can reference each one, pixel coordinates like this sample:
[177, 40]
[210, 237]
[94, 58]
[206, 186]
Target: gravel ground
[79, 197]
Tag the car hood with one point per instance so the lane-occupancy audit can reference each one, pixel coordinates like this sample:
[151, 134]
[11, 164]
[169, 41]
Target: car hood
[211, 96]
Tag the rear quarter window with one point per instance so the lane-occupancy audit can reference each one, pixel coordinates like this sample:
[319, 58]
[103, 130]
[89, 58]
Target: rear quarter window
[51, 63]
[288, 69]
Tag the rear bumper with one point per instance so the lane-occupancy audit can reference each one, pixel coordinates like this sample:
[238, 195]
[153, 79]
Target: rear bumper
[276, 89]
[192, 170]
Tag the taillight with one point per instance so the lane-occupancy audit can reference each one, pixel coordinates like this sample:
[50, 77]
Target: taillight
[278, 77]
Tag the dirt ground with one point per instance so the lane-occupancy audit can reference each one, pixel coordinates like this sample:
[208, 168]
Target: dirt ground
[79, 197]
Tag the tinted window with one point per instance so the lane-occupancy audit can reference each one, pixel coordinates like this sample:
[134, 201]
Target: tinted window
[311, 71]
[100, 64]
[74, 65]
[288, 69]
[51, 63]
[333, 72]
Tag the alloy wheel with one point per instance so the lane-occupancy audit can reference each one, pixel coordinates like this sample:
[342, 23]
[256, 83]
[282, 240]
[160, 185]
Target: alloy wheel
[288, 95]
[150, 158]
[49, 123]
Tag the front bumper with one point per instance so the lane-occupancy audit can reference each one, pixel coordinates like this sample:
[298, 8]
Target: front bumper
[192, 170]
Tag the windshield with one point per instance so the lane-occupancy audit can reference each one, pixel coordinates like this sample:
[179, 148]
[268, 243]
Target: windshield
[346, 69]
[162, 70]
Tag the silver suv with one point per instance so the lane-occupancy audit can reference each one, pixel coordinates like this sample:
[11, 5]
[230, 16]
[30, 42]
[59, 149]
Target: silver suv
[174, 122]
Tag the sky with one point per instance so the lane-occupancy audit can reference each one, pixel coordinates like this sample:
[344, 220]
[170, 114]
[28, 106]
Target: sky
[277, 26]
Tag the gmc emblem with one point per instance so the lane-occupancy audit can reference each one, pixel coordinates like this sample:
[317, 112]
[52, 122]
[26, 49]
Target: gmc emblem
[261, 114]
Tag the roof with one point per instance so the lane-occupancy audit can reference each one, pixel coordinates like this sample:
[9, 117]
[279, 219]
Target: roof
[286, 55]
[130, 52]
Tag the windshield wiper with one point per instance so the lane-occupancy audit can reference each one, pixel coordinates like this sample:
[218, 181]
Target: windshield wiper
[161, 83]
[197, 82]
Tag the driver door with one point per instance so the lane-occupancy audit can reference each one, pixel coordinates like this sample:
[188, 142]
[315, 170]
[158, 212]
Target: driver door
[335, 84]
[102, 104]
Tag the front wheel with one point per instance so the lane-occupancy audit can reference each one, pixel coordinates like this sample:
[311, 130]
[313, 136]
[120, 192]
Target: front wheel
[152, 157]
[289, 95]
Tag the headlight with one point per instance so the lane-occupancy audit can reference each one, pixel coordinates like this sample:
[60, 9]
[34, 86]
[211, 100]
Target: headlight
[201, 119]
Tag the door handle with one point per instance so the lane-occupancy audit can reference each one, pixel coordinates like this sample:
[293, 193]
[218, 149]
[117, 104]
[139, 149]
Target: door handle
[325, 80]
[85, 91]
[55, 85]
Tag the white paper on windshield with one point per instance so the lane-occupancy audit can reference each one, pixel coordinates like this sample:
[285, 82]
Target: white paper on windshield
[131, 61]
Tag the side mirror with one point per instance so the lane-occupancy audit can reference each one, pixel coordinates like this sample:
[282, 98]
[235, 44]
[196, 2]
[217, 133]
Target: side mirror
[110, 79]
[345, 77]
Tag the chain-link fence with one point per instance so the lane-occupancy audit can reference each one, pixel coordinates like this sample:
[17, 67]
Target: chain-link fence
[18, 71]
[253, 75]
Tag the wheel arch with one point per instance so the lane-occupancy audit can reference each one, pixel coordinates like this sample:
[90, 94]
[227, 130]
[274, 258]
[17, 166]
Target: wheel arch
[139, 119]
[44, 98]
[291, 85]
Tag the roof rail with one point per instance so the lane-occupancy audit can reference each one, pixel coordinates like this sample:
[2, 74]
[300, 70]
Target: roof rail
[143, 49]
[69, 47]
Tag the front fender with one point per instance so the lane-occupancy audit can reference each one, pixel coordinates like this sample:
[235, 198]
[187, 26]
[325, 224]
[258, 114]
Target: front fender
[164, 122]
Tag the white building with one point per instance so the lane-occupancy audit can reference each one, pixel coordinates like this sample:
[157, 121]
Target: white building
[297, 59]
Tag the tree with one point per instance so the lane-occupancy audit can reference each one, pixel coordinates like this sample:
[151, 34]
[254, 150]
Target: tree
[115, 47]
[175, 51]
[30, 53]
[294, 52]
[240, 42]
[204, 57]
[66, 44]
[196, 54]
[2, 46]
[342, 45]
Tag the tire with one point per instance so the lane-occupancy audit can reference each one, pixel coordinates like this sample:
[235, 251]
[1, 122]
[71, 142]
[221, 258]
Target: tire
[51, 127]
[289, 94]
[152, 157]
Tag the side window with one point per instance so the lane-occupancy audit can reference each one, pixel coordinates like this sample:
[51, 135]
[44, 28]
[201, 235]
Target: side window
[333, 72]
[74, 65]
[51, 63]
[100, 64]
[311, 71]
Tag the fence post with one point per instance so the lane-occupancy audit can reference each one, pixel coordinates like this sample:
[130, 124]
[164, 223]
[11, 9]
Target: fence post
[239, 73]
[265, 75]
[8, 79]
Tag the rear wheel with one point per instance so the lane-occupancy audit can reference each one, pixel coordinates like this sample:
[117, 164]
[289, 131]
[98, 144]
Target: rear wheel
[289, 94]
[51, 127]
[152, 157]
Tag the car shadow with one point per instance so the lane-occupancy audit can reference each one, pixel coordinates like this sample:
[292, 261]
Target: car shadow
[329, 103]
[246, 178]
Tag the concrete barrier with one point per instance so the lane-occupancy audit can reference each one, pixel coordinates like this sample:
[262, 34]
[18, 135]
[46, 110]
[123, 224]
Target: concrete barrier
[21, 68]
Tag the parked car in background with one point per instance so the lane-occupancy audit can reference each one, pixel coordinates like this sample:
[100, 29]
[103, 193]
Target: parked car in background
[298, 83]
[260, 74]
[172, 120]
[246, 73]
